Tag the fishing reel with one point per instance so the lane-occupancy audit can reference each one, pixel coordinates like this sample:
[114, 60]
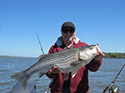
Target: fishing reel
[112, 89]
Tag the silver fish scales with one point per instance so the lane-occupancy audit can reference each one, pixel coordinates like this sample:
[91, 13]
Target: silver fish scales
[69, 60]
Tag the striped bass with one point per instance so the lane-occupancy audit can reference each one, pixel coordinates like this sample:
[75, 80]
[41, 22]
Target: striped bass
[69, 60]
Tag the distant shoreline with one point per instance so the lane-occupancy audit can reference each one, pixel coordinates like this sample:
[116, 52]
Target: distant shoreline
[9, 56]
[107, 55]
[17, 57]
[114, 55]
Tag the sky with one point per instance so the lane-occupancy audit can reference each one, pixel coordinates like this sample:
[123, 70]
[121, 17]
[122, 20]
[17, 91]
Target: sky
[96, 21]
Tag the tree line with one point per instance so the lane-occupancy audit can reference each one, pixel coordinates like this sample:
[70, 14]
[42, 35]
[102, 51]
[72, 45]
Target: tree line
[107, 55]
[114, 55]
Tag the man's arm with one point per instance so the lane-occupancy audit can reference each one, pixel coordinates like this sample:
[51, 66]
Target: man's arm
[95, 63]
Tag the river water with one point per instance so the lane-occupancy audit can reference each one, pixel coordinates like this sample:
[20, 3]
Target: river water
[97, 80]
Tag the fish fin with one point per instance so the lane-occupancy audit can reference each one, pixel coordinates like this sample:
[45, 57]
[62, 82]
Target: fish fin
[73, 74]
[41, 56]
[22, 77]
[41, 74]
[76, 63]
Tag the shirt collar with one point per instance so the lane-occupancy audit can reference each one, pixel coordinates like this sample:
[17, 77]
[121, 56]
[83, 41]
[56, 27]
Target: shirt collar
[59, 41]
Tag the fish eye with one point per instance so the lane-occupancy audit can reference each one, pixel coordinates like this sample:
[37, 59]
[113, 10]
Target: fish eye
[91, 48]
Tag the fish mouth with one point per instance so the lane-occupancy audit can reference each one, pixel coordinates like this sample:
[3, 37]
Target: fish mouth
[99, 51]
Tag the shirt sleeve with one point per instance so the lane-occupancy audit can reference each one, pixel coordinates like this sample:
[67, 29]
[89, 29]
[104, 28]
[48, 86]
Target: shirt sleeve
[94, 65]
[51, 50]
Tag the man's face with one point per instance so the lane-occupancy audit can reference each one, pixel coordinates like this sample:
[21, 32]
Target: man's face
[68, 34]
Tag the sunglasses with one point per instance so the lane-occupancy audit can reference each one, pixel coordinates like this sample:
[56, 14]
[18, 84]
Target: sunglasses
[66, 31]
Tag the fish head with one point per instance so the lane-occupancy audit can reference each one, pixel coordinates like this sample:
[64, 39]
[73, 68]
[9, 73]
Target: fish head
[87, 53]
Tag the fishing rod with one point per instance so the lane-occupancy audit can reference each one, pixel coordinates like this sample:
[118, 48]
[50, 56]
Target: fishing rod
[40, 43]
[109, 88]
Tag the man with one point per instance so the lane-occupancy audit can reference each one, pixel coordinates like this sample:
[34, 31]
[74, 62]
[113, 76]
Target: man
[65, 83]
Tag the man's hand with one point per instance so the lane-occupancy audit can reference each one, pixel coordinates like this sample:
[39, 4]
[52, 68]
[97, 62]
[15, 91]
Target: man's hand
[99, 57]
[53, 70]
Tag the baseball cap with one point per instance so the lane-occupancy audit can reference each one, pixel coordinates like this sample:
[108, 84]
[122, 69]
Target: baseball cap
[68, 24]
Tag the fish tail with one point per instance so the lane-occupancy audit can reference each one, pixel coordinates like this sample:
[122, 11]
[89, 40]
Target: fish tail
[22, 77]
[40, 75]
